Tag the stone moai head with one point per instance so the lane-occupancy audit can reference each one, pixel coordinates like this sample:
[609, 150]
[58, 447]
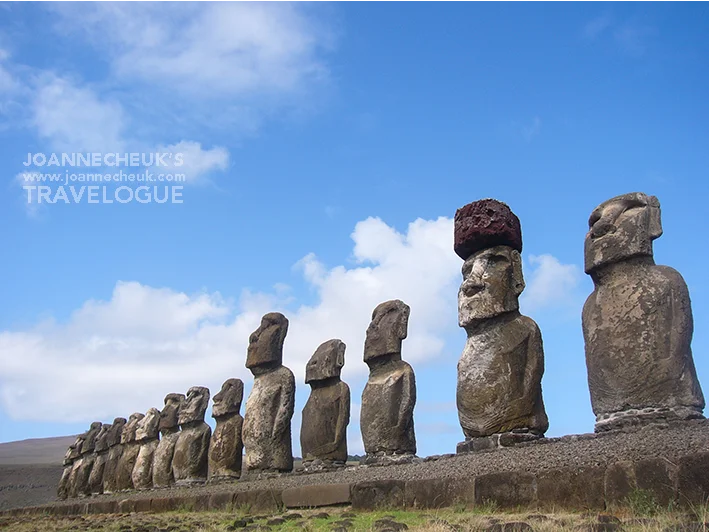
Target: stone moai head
[386, 331]
[326, 362]
[148, 426]
[195, 405]
[488, 237]
[170, 412]
[90, 441]
[266, 342]
[621, 228]
[228, 400]
[102, 438]
[128, 433]
[74, 450]
[114, 435]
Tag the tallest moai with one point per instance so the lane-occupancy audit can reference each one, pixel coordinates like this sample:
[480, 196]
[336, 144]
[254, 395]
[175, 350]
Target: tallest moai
[637, 323]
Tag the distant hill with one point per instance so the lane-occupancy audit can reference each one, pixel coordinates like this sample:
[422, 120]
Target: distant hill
[39, 451]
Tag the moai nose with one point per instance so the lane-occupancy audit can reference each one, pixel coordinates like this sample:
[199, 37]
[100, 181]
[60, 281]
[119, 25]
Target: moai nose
[601, 228]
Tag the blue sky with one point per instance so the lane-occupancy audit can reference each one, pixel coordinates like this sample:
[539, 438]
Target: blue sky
[327, 149]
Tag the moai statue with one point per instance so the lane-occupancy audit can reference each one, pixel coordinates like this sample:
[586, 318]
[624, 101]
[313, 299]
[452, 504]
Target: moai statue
[87, 460]
[323, 433]
[389, 397]
[75, 456]
[189, 462]
[499, 392]
[131, 448]
[169, 433]
[71, 454]
[100, 458]
[147, 436]
[269, 409]
[115, 450]
[637, 323]
[226, 446]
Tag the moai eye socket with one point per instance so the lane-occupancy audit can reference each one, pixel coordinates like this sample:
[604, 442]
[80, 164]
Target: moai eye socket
[595, 216]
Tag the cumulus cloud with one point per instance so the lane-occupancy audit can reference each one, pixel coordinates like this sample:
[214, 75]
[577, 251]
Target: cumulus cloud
[120, 355]
[549, 283]
[195, 161]
[220, 48]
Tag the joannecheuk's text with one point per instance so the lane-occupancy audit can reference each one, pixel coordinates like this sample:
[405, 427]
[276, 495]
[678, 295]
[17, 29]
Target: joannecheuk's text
[103, 194]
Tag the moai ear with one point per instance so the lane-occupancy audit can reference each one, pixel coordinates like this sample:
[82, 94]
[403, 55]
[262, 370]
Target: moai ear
[340, 361]
[654, 220]
[517, 276]
[403, 322]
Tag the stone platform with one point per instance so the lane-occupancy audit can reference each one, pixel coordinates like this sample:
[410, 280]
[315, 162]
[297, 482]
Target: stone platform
[589, 471]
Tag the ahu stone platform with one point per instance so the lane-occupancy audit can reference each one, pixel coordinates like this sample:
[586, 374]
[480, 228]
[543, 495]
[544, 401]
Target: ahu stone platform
[588, 471]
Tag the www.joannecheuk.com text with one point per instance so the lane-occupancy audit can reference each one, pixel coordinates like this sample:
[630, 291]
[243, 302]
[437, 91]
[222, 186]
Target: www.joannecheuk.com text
[103, 194]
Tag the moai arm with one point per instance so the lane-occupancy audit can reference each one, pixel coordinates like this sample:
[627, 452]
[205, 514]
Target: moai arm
[343, 419]
[286, 406]
[408, 398]
[535, 361]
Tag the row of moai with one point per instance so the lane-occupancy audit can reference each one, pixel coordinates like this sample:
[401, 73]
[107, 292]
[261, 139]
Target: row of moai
[637, 327]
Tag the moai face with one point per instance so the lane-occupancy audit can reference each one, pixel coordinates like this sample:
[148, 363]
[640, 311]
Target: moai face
[326, 362]
[492, 283]
[75, 448]
[148, 426]
[169, 414]
[266, 342]
[102, 438]
[128, 434]
[114, 435]
[228, 400]
[389, 325]
[195, 405]
[90, 442]
[621, 228]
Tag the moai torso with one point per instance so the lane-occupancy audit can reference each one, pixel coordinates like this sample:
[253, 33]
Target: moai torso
[87, 459]
[115, 449]
[323, 433]
[226, 446]
[169, 434]
[269, 409]
[129, 453]
[389, 397]
[500, 370]
[147, 436]
[189, 461]
[101, 451]
[637, 323]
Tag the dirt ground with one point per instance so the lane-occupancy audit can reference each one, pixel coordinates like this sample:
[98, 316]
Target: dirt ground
[28, 485]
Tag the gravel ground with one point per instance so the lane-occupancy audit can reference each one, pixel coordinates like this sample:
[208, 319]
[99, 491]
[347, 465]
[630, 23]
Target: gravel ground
[28, 485]
[668, 441]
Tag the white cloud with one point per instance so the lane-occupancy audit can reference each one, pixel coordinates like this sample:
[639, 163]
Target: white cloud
[219, 48]
[597, 26]
[196, 161]
[112, 357]
[549, 283]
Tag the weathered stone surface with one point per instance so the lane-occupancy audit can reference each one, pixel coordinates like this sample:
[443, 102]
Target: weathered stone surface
[572, 488]
[619, 482]
[115, 449]
[72, 454]
[485, 224]
[269, 409]
[259, 500]
[147, 436]
[389, 397]
[169, 430]
[506, 489]
[226, 445]
[129, 454]
[221, 501]
[637, 323]
[87, 459]
[378, 494]
[190, 459]
[658, 477]
[693, 479]
[500, 371]
[323, 432]
[316, 496]
[439, 492]
[101, 450]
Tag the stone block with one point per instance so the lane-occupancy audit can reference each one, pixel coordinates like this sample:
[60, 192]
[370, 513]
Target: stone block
[317, 495]
[506, 489]
[659, 477]
[259, 500]
[221, 501]
[693, 479]
[378, 494]
[619, 483]
[439, 493]
[572, 488]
